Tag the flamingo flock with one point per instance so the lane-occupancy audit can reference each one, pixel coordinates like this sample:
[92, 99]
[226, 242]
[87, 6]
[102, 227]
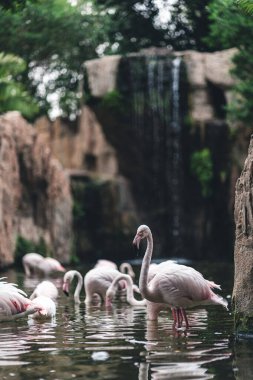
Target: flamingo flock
[164, 286]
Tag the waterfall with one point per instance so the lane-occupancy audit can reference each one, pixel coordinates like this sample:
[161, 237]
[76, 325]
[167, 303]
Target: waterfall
[155, 95]
[176, 165]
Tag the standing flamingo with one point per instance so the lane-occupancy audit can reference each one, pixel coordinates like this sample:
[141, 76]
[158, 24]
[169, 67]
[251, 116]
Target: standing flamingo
[173, 286]
[45, 288]
[14, 303]
[30, 262]
[68, 278]
[97, 281]
[113, 288]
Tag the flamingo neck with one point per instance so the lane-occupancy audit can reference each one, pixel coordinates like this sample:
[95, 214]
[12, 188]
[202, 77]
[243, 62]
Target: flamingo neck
[78, 287]
[143, 280]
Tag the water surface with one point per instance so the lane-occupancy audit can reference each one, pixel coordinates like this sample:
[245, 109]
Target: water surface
[120, 343]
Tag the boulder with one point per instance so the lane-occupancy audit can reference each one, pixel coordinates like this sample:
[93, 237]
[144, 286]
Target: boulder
[35, 199]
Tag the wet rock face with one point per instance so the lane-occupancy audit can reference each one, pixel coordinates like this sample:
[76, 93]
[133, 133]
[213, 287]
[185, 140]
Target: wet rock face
[243, 254]
[35, 200]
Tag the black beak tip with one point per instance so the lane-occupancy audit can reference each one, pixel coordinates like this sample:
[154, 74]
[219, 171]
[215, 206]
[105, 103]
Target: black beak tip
[66, 293]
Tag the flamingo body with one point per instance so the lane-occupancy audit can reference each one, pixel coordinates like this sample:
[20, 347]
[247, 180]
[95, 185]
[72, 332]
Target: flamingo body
[97, 281]
[30, 262]
[45, 288]
[170, 285]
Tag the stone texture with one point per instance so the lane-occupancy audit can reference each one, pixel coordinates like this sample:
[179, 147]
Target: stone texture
[102, 74]
[81, 147]
[202, 69]
[243, 253]
[35, 200]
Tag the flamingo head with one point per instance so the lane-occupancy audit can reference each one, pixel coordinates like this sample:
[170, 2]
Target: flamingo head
[142, 232]
[65, 288]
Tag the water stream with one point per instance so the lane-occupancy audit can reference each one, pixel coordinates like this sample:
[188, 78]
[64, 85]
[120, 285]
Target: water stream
[120, 343]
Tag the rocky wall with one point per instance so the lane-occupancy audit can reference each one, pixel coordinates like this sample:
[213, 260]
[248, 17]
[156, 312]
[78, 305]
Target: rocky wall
[35, 199]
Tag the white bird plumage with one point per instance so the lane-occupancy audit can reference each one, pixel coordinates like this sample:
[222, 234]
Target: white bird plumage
[68, 278]
[172, 286]
[45, 288]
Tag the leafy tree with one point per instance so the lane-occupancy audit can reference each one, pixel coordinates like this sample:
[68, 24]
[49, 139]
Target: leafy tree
[13, 96]
[54, 40]
[234, 28]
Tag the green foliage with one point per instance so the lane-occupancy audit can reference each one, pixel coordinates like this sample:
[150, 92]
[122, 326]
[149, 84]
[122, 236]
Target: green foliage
[245, 5]
[234, 28]
[113, 100]
[24, 246]
[202, 168]
[13, 96]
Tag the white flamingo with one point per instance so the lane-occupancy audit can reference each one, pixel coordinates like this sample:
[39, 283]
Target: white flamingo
[97, 281]
[128, 269]
[104, 263]
[30, 263]
[45, 306]
[45, 288]
[50, 265]
[124, 267]
[68, 278]
[14, 303]
[113, 288]
[173, 286]
[34, 263]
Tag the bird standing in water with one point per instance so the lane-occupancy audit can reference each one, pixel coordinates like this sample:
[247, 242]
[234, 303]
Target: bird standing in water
[173, 286]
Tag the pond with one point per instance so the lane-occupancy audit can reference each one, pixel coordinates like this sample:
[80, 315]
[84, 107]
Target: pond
[120, 343]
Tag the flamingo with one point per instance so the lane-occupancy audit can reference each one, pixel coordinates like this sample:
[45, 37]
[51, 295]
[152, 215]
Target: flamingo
[45, 306]
[128, 269]
[111, 291]
[45, 288]
[124, 267]
[14, 303]
[103, 263]
[30, 262]
[173, 286]
[49, 265]
[97, 281]
[68, 278]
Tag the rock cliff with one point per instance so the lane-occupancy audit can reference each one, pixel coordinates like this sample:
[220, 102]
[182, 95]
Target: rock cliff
[243, 253]
[35, 199]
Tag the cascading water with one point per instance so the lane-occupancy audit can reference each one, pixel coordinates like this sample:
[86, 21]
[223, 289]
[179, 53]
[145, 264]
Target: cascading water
[155, 94]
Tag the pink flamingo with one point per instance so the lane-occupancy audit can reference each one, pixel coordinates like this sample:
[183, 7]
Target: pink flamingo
[68, 278]
[45, 308]
[173, 286]
[104, 263]
[35, 263]
[113, 288]
[97, 281]
[49, 265]
[30, 262]
[124, 267]
[45, 288]
[14, 303]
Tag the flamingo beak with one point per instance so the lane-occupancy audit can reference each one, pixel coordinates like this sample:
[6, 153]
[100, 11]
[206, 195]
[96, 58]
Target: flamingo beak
[137, 240]
[65, 288]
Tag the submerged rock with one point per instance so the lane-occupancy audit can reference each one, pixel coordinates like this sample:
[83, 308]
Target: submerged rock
[35, 199]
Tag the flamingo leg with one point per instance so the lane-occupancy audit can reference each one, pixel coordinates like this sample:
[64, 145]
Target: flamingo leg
[184, 316]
